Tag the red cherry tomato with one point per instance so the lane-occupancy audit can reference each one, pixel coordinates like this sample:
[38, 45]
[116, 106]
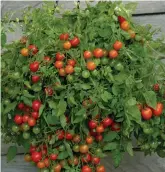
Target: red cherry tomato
[115, 126]
[53, 156]
[58, 64]
[35, 78]
[156, 87]
[59, 56]
[86, 169]
[86, 158]
[69, 69]
[99, 138]
[49, 91]
[121, 19]
[34, 66]
[25, 118]
[100, 168]
[35, 115]
[100, 129]
[21, 106]
[36, 156]
[107, 122]
[95, 160]
[159, 109]
[113, 54]
[71, 62]
[98, 53]
[18, 119]
[33, 49]
[68, 136]
[117, 45]
[60, 134]
[64, 36]
[47, 59]
[146, 113]
[41, 164]
[75, 42]
[92, 124]
[87, 55]
[36, 104]
[31, 122]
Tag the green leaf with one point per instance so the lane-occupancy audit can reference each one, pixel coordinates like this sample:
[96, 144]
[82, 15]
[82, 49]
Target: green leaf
[3, 39]
[36, 88]
[27, 83]
[129, 148]
[63, 155]
[85, 86]
[71, 100]
[95, 111]
[132, 101]
[26, 94]
[110, 146]
[150, 98]
[52, 104]
[116, 157]
[106, 96]
[10, 107]
[131, 7]
[81, 112]
[12, 151]
[63, 120]
[26, 146]
[69, 150]
[78, 119]
[27, 101]
[110, 136]
[52, 120]
[41, 109]
[61, 107]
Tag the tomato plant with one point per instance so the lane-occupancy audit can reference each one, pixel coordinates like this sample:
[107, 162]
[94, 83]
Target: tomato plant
[78, 85]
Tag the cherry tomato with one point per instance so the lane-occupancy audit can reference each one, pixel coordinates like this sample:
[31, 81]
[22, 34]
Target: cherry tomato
[18, 119]
[113, 54]
[36, 156]
[21, 106]
[23, 40]
[49, 91]
[104, 60]
[67, 45]
[87, 55]
[100, 168]
[73, 161]
[76, 148]
[47, 59]
[53, 156]
[35, 115]
[95, 160]
[107, 122]
[93, 133]
[61, 148]
[60, 134]
[24, 52]
[86, 168]
[92, 124]
[115, 126]
[31, 122]
[58, 64]
[36, 130]
[117, 45]
[118, 66]
[86, 158]
[68, 136]
[156, 87]
[71, 62]
[75, 41]
[105, 52]
[146, 113]
[34, 66]
[59, 56]
[63, 163]
[159, 109]
[41, 164]
[26, 135]
[27, 158]
[85, 74]
[33, 49]
[84, 148]
[25, 127]
[36, 104]
[70, 78]
[35, 78]
[91, 65]
[62, 72]
[98, 53]
[100, 128]
[32, 149]
[69, 69]
[99, 138]
[57, 168]
[76, 138]
[64, 36]
[47, 162]
[121, 19]
[132, 33]
[89, 140]
[125, 25]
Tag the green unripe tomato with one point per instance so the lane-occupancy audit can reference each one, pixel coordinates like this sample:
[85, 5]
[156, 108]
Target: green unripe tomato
[154, 144]
[118, 66]
[36, 130]
[148, 130]
[70, 78]
[61, 148]
[77, 69]
[7, 101]
[104, 60]
[15, 128]
[138, 38]
[25, 127]
[95, 72]
[112, 63]
[45, 170]
[76, 148]
[26, 135]
[15, 75]
[85, 74]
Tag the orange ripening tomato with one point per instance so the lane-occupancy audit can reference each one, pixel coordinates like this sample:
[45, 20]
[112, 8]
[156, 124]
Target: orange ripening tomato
[125, 25]
[58, 64]
[24, 52]
[62, 72]
[98, 53]
[131, 33]
[113, 54]
[117, 45]
[87, 54]
[69, 69]
[91, 65]
[67, 45]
